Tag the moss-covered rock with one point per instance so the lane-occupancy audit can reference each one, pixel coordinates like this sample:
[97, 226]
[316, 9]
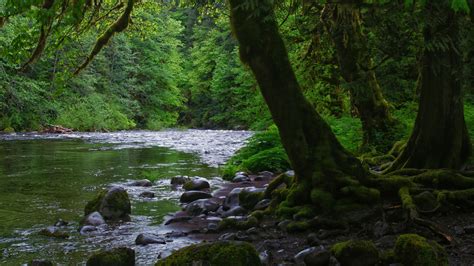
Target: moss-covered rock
[412, 249]
[230, 223]
[219, 253]
[9, 130]
[356, 253]
[114, 257]
[112, 204]
[248, 198]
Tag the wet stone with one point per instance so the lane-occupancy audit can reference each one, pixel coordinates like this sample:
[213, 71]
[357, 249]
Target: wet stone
[235, 211]
[61, 222]
[232, 198]
[146, 239]
[94, 219]
[202, 206]
[240, 178]
[190, 196]
[147, 194]
[88, 229]
[179, 219]
[300, 256]
[141, 183]
[179, 180]
[196, 184]
[53, 231]
[262, 205]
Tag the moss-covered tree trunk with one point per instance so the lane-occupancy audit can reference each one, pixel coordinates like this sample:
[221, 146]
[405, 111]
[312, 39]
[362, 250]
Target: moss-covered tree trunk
[343, 23]
[439, 138]
[320, 162]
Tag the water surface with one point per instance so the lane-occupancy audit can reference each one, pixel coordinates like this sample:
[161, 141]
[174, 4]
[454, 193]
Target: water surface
[44, 178]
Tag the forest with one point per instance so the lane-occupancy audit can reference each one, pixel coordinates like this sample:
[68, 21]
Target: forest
[361, 116]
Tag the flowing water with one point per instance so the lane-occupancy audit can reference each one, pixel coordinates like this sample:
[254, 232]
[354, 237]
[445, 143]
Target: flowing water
[44, 178]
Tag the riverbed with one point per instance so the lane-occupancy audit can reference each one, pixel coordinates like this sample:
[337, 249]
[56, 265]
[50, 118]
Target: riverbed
[47, 177]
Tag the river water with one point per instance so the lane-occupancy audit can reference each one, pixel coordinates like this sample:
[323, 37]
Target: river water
[44, 178]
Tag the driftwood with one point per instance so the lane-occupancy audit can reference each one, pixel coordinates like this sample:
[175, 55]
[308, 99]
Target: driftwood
[56, 129]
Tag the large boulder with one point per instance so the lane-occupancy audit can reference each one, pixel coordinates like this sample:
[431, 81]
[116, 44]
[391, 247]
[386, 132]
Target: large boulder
[114, 257]
[196, 184]
[217, 253]
[190, 196]
[412, 249]
[112, 204]
[356, 253]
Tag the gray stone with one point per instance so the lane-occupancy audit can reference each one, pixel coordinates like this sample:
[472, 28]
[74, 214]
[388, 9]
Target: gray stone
[61, 222]
[141, 183]
[196, 184]
[87, 229]
[264, 257]
[313, 239]
[235, 211]
[179, 219]
[93, 219]
[113, 204]
[146, 239]
[179, 180]
[262, 205]
[202, 206]
[232, 198]
[240, 178]
[53, 231]
[300, 256]
[147, 194]
[381, 228]
[190, 196]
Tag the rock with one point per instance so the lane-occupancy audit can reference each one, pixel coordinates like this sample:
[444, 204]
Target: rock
[202, 206]
[235, 211]
[112, 204]
[318, 258]
[93, 219]
[53, 231]
[239, 178]
[87, 229]
[232, 199]
[299, 257]
[147, 194]
[313, 239]
[228, 236]
[412, 249]
[60, 223]
[40, 263]
[458, 230]
[290, 173]
[218, 253]
[381, 228]
[196, 184]
[266, 174]
[469, 229]
[426, 202]
[179, 180]
[114, 257]
[264, 257]
[178, 219]
[190, 196]
[356, 253]
[262, 205]
[249, 197]
[146, 239]
[141, 183]
[283, 224]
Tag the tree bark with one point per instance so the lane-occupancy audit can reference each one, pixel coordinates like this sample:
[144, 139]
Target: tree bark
[440, 138]
[343, 23]
[315, 154]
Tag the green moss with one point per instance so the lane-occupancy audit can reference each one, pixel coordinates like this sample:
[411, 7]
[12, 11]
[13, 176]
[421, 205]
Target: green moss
[356, 253]
[274, 160]
[277, 182]
[115, 257]
[94, 205]
[362, 194]
[9, 130]
[387, 257]
[392, 184]
[228, 223]
[305, 212]
[464, 198]
[298, 226]
[412, 249]
[322, 199]
[248, 199]
[219, 253]
[299, 194]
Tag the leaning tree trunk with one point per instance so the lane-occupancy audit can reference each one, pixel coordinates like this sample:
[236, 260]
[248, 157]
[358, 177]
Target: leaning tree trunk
[439, 138]
[322, 166]
[343, 23]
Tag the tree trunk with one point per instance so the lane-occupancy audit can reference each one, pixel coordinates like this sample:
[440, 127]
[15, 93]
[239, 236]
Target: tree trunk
[319, 160]
[343, 22]
[439, 138]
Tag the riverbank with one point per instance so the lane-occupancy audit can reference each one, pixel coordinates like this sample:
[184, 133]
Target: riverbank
[281, 244]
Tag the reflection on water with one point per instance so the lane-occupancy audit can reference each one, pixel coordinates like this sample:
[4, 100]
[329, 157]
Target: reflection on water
[43, 179]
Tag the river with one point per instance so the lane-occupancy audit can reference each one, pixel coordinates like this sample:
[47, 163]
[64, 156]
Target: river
[44, 178]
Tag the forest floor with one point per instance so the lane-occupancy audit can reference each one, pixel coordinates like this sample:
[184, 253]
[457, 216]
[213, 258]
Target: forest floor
[381, 224]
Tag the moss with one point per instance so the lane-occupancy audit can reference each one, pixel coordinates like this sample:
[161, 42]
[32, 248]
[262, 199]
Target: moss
[9, 130]
[464, 198]
[397, 148]
[277, 182]
[228, 223]
[114, 257]
[362, 194]
[274, 160]
[387, 257]
[305, 212]
[444, 179]
[392, 184]
[407, 201]
[298, 226]
[356, 252]
[345, 205]
[299, 194]
[218, 253]
[94, 205]
[412, 249]
[322, 199]
[248, 199]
